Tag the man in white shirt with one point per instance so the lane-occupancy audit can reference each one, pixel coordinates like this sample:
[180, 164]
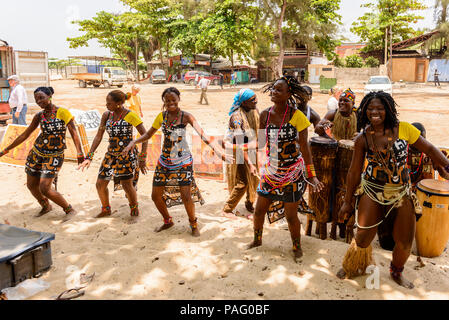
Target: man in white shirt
[203, 84]
[17, 101]
[332, 103]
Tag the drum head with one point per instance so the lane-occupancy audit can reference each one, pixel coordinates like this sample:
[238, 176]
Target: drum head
[347, 144]
[434, 186]
[324, 142]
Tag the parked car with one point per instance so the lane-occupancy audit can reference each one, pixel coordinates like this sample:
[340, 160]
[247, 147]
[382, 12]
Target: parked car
[379, 83]
[158, 76]
[189, 77]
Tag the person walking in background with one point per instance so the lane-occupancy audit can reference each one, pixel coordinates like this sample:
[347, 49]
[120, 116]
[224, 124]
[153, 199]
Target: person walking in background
[436, 78]
[221, 80]
[17, 101]
[134, 102]
[203, 84]
[197, 76]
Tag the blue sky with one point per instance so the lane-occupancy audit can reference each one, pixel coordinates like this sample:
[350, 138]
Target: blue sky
[44, 25]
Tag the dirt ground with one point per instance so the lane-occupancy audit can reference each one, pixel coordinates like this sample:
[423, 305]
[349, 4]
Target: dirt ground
[133, 262]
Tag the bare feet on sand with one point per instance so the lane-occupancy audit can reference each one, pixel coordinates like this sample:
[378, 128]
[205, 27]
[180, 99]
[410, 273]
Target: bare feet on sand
[253, 244]
[341, 274]
[297, 254]
[45, 209]
[104, 214]
[400, 280]
[132, 219]
[228, 215]
[69, 215]
[195, 232]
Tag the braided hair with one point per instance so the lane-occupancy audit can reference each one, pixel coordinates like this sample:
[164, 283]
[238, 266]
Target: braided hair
[118, 96]
[391, 114]
[49, 91]
[294, 87]
[171, 90]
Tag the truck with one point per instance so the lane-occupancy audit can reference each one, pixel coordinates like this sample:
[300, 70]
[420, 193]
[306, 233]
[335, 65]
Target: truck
[107, 76]
[30, 66]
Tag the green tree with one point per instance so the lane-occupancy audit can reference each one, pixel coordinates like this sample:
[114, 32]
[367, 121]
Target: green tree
[399, 14]
[372, 62]
[354, 61]
[339, 62]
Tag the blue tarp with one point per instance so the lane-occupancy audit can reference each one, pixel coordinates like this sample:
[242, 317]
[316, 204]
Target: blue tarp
[442, 65]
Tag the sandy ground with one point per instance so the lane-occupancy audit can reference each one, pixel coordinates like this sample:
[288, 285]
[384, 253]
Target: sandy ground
[133, 262]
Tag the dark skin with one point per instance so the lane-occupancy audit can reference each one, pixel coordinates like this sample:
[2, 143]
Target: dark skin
[345, 106]
[102, 184]
[280, 95]
[40, 187]
[248, 105]
[370, 212]
[314, 116]
[171, 104]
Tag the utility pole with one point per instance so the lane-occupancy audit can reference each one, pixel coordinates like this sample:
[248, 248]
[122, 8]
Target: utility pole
[391, 54]
[386, 46]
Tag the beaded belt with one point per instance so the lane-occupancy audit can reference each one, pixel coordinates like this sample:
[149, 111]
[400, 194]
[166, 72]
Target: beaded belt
[47, 155]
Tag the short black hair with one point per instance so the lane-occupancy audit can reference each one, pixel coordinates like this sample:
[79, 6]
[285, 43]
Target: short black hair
[171, 90]
[391, 114]
[419, 126]
[294, 87]
[49, 91]
[308, 89]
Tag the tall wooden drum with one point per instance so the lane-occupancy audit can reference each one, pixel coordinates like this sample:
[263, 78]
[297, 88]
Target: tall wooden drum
[324, 152]
[432, 229]
[343, 162]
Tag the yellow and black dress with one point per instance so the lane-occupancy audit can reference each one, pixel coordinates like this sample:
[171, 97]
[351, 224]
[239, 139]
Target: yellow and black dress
[282, 178]
[175, 164]
[47, 155]
[115, 165]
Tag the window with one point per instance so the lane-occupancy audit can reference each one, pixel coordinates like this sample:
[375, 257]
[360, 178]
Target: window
[379, 81]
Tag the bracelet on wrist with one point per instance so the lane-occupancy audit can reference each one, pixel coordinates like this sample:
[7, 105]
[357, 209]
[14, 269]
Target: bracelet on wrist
[89, 156]
[310, 171]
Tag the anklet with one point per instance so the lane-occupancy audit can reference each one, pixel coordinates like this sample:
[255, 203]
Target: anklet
[258, 235]
[168, 221]
[134, 210]
[194, 224]
[395, 271]
[68, 209]
[296, 244]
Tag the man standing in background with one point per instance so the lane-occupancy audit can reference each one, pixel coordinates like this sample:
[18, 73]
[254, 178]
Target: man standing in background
[17, 101]
[134, 103]
[436, 78]
[203, 84]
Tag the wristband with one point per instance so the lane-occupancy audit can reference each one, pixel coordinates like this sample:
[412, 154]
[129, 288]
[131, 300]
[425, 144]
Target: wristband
[89, 156]
[310, 171]
[3, 152]
[142, 156]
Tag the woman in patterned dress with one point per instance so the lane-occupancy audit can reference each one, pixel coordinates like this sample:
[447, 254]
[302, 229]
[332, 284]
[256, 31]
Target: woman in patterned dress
[46, 157]
[119, 123]
[286, 172]
[174, 171]
[384, 186]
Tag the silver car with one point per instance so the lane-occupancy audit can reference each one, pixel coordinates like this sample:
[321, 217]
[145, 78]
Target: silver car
[379, 83]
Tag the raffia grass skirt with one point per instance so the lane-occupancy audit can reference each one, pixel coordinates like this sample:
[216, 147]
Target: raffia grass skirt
[357, 259]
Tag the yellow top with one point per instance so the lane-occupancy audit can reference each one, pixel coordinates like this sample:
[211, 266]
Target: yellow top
[133, 119]
[64, 115]
[134, 103]
[299, 121]
[157, 124]
[408, 132]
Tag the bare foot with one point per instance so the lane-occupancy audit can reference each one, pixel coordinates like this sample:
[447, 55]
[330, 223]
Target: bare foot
[297, 254]
[341, 274]
[165, 226]
[69, 215]
[132, 219]
[195, 232]
[45, 209]
[228, 215]
[253, 244]
[104, 213]
[249, 206]
[400, 280]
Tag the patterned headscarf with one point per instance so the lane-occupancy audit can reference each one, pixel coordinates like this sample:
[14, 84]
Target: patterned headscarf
[348, 94]
[240, 97]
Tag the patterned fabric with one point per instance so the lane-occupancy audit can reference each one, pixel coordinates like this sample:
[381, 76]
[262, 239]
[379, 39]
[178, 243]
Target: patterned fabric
[348, 94]
[115, 165]
[46, 157]
[283, 154]
[175, 165]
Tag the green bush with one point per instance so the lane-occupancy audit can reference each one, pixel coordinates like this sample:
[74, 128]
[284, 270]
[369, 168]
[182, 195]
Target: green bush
[354, 61]
[372, 62]
[338, 62]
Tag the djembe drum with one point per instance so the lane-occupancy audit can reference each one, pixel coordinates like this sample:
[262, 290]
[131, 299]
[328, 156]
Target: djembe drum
[324, 152]
[432, 229]
[343, 160]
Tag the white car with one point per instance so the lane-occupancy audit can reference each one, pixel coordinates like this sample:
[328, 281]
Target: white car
[379, 83]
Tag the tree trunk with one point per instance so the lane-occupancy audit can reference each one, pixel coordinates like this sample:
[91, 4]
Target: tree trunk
[280, 59]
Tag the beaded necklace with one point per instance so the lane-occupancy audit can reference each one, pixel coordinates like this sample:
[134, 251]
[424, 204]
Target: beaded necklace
[52, 115]
[419, 164]
[170, 127]
[114, 123]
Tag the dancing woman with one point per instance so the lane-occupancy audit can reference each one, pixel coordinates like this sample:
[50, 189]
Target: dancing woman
[174, 170]
[385, 184]
[123, 166]
[46, 157]
[286, 171]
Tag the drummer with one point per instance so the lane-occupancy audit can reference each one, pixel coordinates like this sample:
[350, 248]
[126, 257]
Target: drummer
[342, 122]
[385, 184]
